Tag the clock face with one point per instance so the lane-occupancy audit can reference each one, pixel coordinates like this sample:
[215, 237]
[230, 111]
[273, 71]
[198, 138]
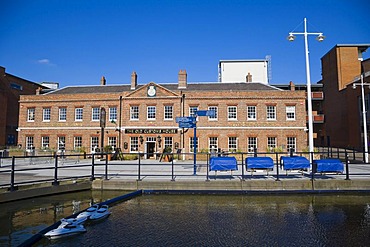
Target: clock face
[151, 91]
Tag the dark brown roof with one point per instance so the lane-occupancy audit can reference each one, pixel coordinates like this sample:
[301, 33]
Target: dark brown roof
[217, 86]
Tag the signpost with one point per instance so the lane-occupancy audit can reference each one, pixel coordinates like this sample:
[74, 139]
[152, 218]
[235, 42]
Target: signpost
[191, 122]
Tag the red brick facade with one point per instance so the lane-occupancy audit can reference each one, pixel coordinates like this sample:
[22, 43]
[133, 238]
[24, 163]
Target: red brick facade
[229, 100]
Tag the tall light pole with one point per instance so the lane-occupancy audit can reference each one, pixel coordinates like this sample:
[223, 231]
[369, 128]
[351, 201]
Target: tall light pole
[320, 37]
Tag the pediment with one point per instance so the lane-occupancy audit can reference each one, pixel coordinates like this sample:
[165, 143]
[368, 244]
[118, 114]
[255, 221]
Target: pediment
[151, 90]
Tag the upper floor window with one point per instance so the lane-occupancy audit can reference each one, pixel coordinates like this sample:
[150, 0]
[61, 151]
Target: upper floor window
[271, 112]
[290, 112]
[62, 114]
[134, 112]
[251, 112]
[232, 113]
[151, 112]
[46, 114]
[113, 114]
[95, 114]
[213, 108]
[192, 111]
[31, 114]
[168, 112]
[79, 114]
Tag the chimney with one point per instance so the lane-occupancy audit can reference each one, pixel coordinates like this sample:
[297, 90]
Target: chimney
[291, 86]
[133, 80]
[102, 81]
[2, 71]
[183, 78]
[248, 77]
[38, 90]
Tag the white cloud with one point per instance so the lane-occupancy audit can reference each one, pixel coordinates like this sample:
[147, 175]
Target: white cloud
[44, 61]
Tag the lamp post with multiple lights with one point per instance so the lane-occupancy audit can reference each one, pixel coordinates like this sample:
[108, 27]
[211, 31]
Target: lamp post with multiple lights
[320, 37]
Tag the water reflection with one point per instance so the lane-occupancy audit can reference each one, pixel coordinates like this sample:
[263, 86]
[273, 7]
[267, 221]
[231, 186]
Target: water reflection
[212, 220]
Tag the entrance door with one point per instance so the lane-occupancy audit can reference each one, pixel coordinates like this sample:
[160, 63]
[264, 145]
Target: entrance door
[150, 147]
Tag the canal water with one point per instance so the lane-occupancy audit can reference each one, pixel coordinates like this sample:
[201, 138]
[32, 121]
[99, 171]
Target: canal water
[209, 220]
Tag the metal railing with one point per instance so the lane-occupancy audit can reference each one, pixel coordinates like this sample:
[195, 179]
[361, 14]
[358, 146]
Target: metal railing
[23, 170]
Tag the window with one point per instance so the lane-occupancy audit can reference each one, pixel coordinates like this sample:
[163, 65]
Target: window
[94, 143]
[168, 142]
[291, 144]
[213, 108]
[77, 143]
[271, 144]
[232, 113]
[134, 144]
[151, 112]
[95, 114]
[62, 114]
[192, 111]
[45, 142]
[233, 146]
[213, 144]
[112, 141]
[290, 112]
[191, 144]
[252, 144]
[61, 142]
[16, 86]
[30, 114]
[134, 112]
[46, 114]
[112, 114]
[29, 142]
[251, 112]
[168, 112]
[79, 112]
[271, 112]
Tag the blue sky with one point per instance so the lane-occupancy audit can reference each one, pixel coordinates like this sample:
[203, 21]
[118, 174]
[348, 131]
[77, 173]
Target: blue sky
[75, 42]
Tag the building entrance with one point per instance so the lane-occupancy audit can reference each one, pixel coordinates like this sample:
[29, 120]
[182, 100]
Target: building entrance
[150, 147]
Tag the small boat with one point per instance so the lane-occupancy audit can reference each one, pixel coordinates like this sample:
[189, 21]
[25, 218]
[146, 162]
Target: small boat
[77, 221]
[65, 229]
[101, 213]
[88, 212]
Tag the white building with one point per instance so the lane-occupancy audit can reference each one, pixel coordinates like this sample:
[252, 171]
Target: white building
[251, 70]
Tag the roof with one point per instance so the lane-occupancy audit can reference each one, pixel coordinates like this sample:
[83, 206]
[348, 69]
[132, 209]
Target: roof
[215, 86]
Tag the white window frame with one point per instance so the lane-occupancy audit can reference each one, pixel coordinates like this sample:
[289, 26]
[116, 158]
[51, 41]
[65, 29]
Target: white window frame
[134, 144]
[31, 114]
[77, 142]
[251, 110]
[79, 114]
[290, 112]
[45, 142]
[112, 141]
[151, 112]
[271, 143]
[232, 144]
[252, 143]
[62, 114]
[271, 112]
[168, 142]
[291, 142]
[94, 143]
[191, 144]
[113, 114]
[213, 144]
[232, 113]
[61, 142]
[168, 112]
[215, 117]
[134, 112]
[95, 114]
[46, 114]
[30, 142]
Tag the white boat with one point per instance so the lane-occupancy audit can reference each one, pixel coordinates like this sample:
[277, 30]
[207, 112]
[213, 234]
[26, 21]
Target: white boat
[88, 212]
[101, 213]
[76, 221]
[65, 229]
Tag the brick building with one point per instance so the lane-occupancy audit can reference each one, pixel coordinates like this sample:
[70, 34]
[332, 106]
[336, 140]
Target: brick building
[11, 87]
[143, 117]
[341, 67]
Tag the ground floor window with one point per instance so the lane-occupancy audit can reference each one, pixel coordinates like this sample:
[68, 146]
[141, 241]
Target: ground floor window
[252, 144]
[134, 144]
[94, 143]
[29, 142]
[168, 142]
[112, 141]
[271, 144]
[191, 144]
[61, 142]
[45, 142]
[233, 145]
[77, 143]
[291, 144]
[213, 144]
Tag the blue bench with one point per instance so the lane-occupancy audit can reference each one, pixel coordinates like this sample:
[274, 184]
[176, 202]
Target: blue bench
[223, 164]
[327, 165]
[259, 163]
[294, 163]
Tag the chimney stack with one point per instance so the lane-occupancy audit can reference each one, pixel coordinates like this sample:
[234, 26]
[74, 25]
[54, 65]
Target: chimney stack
[133, 80]
[248, 77]
[183, 78]
[291, 86]
[38, 90]
[102, 81]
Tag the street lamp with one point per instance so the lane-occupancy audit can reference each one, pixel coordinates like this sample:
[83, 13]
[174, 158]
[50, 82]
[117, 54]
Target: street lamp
[320, 37]
[364, 120]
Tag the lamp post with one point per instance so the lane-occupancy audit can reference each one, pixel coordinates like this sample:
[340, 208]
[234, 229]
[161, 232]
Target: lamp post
[364, 119]
[320, 38]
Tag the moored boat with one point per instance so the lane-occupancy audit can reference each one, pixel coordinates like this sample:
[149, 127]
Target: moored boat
[88, 212]
[101, 213]
[65, 229]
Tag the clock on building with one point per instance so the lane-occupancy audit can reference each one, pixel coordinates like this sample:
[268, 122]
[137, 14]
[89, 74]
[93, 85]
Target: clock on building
[151, 91]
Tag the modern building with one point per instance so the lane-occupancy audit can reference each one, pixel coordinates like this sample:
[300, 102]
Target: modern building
[341, 68]
[11, 87]
[142, 118]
